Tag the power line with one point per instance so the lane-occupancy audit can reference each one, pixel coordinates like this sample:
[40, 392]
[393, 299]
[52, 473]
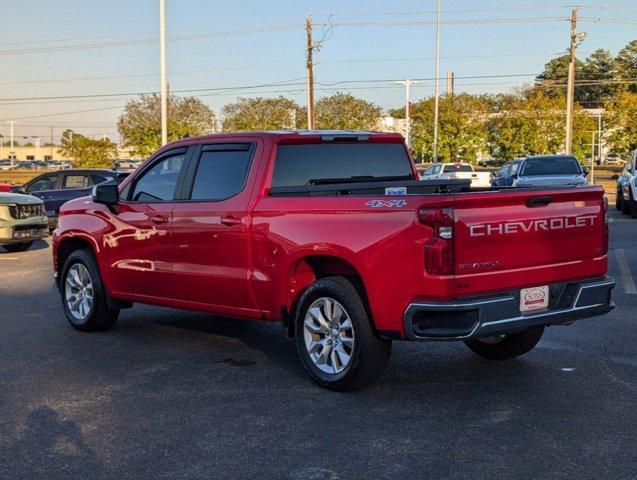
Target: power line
[147, 41]
[452, 22]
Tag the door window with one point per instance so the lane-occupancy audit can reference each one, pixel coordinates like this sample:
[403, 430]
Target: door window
[76, 181]
[47, 182]
[221, 172]
[158, 184]
[436, 169]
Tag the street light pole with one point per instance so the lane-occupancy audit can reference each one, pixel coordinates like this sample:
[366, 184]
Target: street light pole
[407, 83]
[164, 90]
[11, 122]
[437, 82]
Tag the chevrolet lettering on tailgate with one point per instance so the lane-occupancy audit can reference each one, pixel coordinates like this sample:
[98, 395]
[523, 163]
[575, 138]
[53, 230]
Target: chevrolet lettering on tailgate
[544, 224]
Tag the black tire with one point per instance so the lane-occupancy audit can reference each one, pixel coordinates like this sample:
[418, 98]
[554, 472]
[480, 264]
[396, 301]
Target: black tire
[619, 199]
[369, 355]
[633, 209]
[626, 205]
[99, 316]
[511, 345]
[17, 247]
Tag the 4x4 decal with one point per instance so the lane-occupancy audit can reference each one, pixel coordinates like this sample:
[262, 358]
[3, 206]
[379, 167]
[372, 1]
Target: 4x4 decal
[386, 203]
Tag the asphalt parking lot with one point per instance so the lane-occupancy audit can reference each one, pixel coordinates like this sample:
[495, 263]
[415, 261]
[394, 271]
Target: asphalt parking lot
[173, 395]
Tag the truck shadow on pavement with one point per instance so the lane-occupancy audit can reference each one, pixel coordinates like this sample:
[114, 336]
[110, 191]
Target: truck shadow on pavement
[413, 365]
[50, 447]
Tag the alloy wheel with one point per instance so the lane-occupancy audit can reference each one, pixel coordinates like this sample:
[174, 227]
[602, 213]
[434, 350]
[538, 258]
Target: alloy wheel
[79, 291]
[329, 335]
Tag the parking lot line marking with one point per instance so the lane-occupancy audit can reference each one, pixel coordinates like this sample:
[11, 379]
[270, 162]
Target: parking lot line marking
[8, 258]
[624, 272]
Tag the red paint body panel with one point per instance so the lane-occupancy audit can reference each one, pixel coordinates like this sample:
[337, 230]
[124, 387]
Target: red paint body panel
[252, 255]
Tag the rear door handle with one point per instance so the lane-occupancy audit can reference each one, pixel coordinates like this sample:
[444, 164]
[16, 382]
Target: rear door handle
[158, 219]
[230, 221]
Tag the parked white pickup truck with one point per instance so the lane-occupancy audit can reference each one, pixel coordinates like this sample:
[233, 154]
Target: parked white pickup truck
[450, 171]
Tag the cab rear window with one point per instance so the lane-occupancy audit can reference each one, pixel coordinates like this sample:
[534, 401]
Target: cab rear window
[458, 167]
[309, 164]
[551, 166]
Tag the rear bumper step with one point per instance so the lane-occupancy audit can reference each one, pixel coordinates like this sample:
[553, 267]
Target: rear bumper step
[499, 314]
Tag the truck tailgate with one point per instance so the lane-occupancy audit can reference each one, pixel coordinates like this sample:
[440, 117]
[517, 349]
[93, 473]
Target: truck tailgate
[528, 237]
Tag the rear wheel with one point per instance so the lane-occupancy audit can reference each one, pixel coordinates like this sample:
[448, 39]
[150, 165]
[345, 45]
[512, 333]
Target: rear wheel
[18, 247]
[83, 294]
[334, 338]
[506, 346]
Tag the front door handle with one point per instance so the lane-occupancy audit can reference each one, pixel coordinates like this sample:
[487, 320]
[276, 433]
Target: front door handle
[158, 219]
[230, 221]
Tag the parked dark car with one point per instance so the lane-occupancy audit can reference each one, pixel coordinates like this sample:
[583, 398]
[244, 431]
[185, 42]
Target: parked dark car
[506, 174]
[57, 188]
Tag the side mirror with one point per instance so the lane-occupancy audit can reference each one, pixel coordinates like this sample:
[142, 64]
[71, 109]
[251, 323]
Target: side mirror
[106, 193]
[586, 169]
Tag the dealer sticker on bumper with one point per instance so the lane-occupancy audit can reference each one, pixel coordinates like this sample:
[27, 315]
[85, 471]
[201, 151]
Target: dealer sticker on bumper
[535, 298]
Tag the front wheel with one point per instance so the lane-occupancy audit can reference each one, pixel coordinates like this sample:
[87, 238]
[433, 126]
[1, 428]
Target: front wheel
[83, 295]
[18, 247]
[506, 346]
[334, 337]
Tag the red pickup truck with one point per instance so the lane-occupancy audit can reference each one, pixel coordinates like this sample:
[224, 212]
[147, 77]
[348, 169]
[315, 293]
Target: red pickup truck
[332, 233]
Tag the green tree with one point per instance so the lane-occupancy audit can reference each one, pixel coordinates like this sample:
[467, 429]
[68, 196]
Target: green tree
[140, 122]
[597, 73]
[87, 152]
[533, 123]
[461, 127]
[626, 63]
[621, 122]
[262, 114]
[343, 111]
[552, 80]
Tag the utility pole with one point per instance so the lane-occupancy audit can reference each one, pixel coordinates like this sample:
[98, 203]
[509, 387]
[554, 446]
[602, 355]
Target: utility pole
[407, 83]
[570, 86]
[311, 115]
[437, 85]
[599, 136]
[162, 66]
[51, 144]
[11, 122]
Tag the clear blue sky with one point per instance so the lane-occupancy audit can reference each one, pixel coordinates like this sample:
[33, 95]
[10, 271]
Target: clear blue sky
[31, 30]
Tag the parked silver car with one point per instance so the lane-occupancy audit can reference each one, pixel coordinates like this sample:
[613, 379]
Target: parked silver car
[550, 170]
[22, 221]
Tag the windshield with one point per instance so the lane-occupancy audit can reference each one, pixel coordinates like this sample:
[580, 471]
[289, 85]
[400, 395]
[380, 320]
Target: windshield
[458, 167]
[321, 163]
[551, 166]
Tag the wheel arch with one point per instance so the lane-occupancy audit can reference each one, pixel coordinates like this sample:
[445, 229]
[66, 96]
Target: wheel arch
[307, 269]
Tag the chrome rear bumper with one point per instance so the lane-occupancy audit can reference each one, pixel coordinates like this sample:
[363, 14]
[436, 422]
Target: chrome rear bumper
[499, 314]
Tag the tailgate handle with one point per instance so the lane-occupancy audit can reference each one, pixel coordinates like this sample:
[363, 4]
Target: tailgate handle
[539, 201]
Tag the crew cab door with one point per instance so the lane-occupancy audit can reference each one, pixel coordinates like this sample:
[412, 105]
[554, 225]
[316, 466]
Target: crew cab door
[210, 229]
[138, 251]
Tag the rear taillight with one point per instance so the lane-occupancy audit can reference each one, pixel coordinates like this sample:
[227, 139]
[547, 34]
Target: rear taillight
[439, 258]
[605, 239]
